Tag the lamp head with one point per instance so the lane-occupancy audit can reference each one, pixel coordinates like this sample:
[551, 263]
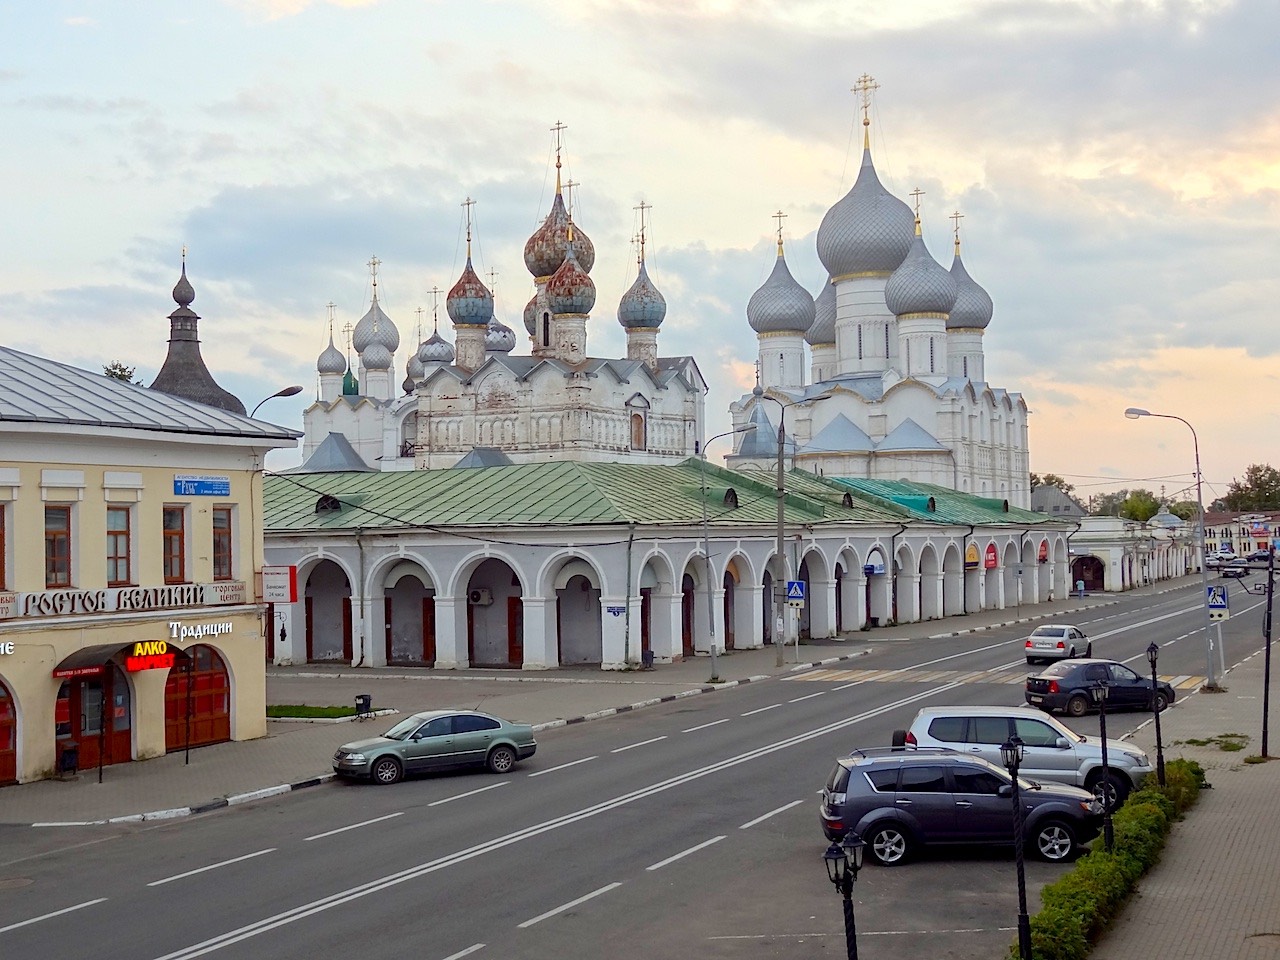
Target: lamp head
[1098, 692]
[1133, 413]
[837, 863]
[1153, 651]
[292, 391]
[854, 847]
[1011, 754]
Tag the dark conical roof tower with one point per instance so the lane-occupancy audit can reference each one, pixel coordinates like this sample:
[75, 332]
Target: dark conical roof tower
[184, 373]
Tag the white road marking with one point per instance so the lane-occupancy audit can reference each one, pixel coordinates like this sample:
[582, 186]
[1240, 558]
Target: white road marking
[642, 743]
[465, 953]
[807, 696]
[212, 866]
[772, 813]
[363, 823]
[469, 793]
[684, 853]
[571, 763]
[869, 933]
[751, 713]
[568, 906]
[705, 725]
[56, 913]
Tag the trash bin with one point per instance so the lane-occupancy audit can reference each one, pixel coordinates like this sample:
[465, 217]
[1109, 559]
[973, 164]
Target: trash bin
[646, 659]
[69, 758]
[364, 704]
[874, 621]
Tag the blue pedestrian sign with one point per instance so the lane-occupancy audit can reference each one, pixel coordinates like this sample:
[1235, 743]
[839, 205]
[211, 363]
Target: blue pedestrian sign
[795, 590]
[1216, 598]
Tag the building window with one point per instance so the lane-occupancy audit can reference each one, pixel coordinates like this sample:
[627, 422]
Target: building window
[175, 568]
[57, 546]
[966, 366]
[222, 543]
[637, 431]
[859, 341]
[886, 341]
[931, 367]
[119, 568]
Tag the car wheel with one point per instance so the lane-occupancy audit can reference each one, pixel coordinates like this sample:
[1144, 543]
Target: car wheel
[1077, 706]
[386, 770]
[1055, 841]
[1161, 701]
[1088, 651]
[888, 844]
[1111, 791]
[501, 759]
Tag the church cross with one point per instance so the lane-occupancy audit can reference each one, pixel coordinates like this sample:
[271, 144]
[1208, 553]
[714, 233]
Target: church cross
[955, 218]
[779, 216]
[864, 87]
[346, 332]
[568, 194]
[558, 129]
[435, 302]
[917, 193]
[643, 208]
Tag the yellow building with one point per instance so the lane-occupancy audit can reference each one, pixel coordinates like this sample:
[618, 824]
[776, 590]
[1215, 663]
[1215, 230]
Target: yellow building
[130, 570]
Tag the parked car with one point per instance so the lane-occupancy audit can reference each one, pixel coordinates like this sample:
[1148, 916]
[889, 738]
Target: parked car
[435, 740]
[1215, 560]
[1236, 571]
[1065, 686]
[1056, 641]
[1053, 750]
[1262, 555]
[901, 801]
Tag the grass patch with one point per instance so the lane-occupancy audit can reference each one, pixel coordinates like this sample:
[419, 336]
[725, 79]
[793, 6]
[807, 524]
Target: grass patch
[298, 710]
[1255, 758]
[1227, 742]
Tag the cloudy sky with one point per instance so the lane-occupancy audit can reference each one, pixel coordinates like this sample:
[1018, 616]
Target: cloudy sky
[1117, 165]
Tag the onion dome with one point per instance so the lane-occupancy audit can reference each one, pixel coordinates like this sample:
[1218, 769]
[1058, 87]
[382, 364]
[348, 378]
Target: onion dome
[920, 284]
[414, 369]
[973, 306]
[376, 357]
[350, 385]
[332, 360]
[643, 305]
[183, 293]
[868, 230]
[781, 304]
[531, 315]
[375, 325]
[435, 349]
[544, 251]
[499, 338]
[469, 302]
[570, 290]
[823, 329]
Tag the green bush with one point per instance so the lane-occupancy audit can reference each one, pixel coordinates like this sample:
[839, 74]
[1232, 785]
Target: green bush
[1080, 905]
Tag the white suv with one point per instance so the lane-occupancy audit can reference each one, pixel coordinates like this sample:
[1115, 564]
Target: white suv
[1053, 751]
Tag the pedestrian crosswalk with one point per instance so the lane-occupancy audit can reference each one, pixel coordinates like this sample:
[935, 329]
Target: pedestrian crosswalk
[1008, 675]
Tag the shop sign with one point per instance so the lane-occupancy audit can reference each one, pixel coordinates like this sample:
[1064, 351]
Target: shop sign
[971, 558]
[6, 647]
[192, 485]
[280, 584]
[93, 670]
[70, 603]
[149, 655]
[991, 559]
[180, 631]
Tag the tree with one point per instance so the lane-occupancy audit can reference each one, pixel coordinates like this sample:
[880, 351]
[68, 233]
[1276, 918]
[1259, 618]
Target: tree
[118, 371]
[1051, 480]
[1260, 490]
[1140, 505]
[1185, 510]
[1107, 504]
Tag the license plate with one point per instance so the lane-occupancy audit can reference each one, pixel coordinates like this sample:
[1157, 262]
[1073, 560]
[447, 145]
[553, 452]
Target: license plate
[1035, 699]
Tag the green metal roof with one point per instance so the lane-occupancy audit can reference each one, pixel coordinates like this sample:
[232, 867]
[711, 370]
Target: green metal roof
[561, 493]
[949, 506]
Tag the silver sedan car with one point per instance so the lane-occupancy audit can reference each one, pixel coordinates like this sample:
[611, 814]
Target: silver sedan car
[1057, 641]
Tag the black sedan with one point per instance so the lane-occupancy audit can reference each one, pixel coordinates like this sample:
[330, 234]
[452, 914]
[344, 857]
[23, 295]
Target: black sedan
[1065, 686]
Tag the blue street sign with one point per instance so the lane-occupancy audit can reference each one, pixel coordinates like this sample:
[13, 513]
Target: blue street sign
[1216, 597]
[795, 589]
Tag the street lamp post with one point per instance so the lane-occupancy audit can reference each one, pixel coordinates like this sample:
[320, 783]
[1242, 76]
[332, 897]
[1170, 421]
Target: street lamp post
[292, 391]
[1153, 653]
[1133, 413]
[1098, 692]
[780, 580]
[706, 548]
[1011, 754]
[844, 860]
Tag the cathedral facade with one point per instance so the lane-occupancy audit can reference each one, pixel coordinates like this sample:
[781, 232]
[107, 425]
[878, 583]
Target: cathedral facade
[881, 375]
[476, 400]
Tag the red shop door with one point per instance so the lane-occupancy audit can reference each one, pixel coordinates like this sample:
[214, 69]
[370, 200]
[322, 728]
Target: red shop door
[208, 698]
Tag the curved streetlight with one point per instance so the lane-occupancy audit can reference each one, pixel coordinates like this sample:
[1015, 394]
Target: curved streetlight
[1153, 654]
[1011, 754]
[843, 861]
[1133, 413]
[780, 582]
[706, 546]
[292, 391]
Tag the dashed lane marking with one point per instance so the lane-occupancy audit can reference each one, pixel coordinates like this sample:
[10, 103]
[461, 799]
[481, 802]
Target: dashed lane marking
[1015, 676]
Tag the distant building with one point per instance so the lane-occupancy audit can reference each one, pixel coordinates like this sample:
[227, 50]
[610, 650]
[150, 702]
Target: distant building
[1047, 498]
[1241, 532]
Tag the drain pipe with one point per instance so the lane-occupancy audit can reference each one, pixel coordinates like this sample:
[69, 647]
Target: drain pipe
[964, 572]
[364, 602]
[626, 639]
[893, 565]
[1070, 585]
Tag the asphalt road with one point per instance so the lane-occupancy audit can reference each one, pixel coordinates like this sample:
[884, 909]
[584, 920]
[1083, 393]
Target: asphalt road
[686, 829]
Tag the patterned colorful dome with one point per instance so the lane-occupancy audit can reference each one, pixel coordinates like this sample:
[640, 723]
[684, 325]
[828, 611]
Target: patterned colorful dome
[570, 290]
[544, 251]
[643, 305]
[499, 338]
[470, 302]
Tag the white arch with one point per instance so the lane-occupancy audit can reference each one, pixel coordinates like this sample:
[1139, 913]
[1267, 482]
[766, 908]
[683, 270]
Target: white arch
[465, 567]
[558, 569]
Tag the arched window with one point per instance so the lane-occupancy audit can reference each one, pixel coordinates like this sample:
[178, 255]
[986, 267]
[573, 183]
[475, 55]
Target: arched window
[637, 431]
[546, 329]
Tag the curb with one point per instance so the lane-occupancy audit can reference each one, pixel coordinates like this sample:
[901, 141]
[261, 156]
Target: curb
[384, 712]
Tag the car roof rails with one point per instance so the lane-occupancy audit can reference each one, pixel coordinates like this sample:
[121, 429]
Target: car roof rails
[870, 753]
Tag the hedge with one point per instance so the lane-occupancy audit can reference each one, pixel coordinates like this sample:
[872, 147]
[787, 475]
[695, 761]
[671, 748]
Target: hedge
[1078, 907]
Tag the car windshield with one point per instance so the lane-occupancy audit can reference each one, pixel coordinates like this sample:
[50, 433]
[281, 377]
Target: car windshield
[402, 729]
[1058, 670]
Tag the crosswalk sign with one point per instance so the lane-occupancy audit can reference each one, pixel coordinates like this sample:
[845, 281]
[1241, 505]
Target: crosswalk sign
[795, 589]
[1216, 598]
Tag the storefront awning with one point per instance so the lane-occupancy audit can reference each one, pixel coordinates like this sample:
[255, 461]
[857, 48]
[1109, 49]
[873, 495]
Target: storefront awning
[92, 661]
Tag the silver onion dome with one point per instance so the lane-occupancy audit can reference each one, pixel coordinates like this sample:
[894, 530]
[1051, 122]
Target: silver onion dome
[376, 357]
[499, 338]
[436, 349]
[920, 285]
[823, 329]
[643, 305]
[780, 304]
[869, 230]
[375, 325]
[331, 360]
[973, 307]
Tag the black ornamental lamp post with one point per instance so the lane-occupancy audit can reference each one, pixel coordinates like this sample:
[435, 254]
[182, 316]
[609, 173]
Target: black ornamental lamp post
[1108, 792]
[1153, 654]
[844, 860]
[1011, 755]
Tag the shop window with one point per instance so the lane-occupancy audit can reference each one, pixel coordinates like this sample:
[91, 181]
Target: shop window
[57, 546]
[173, 550]
[222, 565]
[119, 554]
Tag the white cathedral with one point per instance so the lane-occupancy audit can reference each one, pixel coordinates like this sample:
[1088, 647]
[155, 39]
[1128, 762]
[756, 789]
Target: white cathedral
[476, 402]
[895, 386]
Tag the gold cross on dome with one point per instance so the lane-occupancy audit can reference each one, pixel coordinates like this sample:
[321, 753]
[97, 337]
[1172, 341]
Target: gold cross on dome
[779, 216]
[864, 87]
[955, 218]
[917, 193]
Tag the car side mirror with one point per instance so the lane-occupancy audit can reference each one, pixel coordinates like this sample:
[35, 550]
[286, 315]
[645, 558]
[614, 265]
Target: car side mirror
[1063, 743]
[1006, 790]
[417, 735]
